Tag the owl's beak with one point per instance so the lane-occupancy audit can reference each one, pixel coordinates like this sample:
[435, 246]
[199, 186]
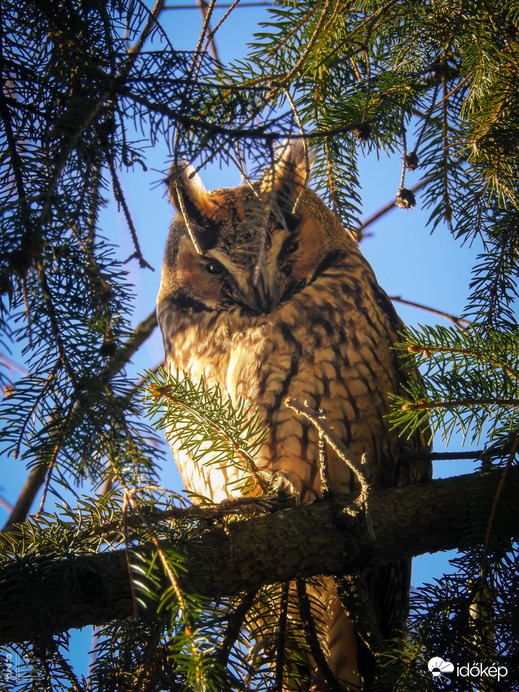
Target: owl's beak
[265, 293]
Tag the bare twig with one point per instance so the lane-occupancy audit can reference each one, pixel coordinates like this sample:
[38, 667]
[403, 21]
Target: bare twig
[187, 223]
[324, 472]
[210, 36]
[202, 4]
[121, 199]
[5, 504]
[452, 456]
[194, 68]
[29, 491]
[359, 232]
[452, 91]
[135, 50]
[458, 321]
[423, 405]
[346, 455]
[12, 365]
[221, 7]
[360, 467]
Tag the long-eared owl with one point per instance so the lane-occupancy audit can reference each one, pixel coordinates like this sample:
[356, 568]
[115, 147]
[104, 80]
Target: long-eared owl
[264, 293]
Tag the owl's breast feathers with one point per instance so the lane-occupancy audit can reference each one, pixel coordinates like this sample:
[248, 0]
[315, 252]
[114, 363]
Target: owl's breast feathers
[327, 345]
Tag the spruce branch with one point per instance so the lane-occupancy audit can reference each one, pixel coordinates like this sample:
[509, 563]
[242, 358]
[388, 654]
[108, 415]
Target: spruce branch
[173, 595]
[494, 291]
[52, 158]
[496, 350]
[61, 437]
[297, 542]
[55, 325]
[12, 144]
[495, 502]
[38, 474]
[312, 639]
[195, 417]
[279, 85]
[470, 378]
[32, 409]
[281, 636]
[445, 149]
[105, 98]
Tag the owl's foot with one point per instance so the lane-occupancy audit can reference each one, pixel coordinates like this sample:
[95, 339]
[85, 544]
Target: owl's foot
[282, 486]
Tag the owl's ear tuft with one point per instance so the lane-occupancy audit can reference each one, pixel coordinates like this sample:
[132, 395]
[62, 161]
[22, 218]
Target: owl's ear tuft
[188, 194]
[290, 170]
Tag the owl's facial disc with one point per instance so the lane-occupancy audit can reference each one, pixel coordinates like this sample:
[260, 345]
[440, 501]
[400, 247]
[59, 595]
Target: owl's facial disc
[248, 256]
[242, 284]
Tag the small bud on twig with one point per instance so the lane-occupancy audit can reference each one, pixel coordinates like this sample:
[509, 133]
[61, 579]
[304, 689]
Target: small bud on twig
[362, 132]
[405, 199]
[411, 161]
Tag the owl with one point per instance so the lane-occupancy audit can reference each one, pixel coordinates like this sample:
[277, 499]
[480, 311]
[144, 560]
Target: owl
[266, 295]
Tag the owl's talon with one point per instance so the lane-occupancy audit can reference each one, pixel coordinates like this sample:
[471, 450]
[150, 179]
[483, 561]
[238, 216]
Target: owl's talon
[281, 485]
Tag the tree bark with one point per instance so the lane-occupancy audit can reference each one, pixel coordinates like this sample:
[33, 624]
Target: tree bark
[42, 595]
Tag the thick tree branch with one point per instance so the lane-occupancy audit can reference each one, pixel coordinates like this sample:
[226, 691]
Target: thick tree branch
[318, 538]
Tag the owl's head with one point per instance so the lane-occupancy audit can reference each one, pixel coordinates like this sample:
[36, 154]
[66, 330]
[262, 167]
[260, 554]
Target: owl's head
[250, 247]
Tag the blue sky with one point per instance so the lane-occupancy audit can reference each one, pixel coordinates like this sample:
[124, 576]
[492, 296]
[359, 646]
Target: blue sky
[407, 259]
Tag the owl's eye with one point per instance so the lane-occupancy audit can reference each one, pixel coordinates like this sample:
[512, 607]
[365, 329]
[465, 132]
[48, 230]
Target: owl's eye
[290, 247]
[214, 267]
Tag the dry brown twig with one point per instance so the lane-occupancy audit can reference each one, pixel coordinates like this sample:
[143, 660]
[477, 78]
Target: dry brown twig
[360, 467]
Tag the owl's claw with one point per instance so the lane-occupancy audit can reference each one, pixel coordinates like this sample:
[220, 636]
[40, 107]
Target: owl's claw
[282, 485]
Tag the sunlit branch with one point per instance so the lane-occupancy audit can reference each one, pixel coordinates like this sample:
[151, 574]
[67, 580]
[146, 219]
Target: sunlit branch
[300, 541]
